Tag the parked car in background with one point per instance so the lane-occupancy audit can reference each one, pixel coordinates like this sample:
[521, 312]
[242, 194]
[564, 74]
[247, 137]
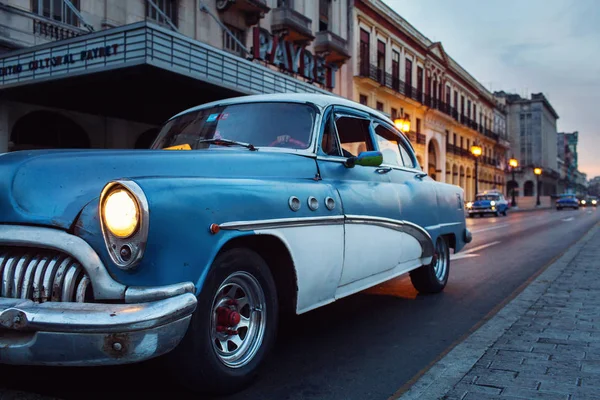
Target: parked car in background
[567, 201]
[488, 202]
[243, 208]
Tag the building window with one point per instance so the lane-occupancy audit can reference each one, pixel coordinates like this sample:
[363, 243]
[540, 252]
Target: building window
[379, 106]
[418, 125]
[324, 11]
[395, 70]
[454, 139]
[448, 95]
[456, 100]
[468, 144]
[168, 7]
[461, 142]
[469, 109]
[408, 78]
[363, 100]
[394, 114]
[56, 10]
[231, 45]
[364, 52]
[462, 105]
[419, 83]
[381, 62]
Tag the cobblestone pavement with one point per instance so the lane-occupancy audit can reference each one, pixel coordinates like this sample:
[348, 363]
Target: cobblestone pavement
[545, 344]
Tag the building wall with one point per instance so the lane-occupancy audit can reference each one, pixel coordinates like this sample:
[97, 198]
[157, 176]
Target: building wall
[432, 130]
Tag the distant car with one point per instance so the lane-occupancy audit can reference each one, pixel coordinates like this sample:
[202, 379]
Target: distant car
[589, 201]
[241, 208]
[489, 202]
[567, 201]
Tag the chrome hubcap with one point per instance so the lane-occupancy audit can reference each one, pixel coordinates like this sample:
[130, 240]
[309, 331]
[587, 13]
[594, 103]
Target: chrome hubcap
[441, 260]
[238, 319]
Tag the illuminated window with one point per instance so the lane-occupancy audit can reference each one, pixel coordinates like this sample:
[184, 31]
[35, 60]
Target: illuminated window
[56, 10]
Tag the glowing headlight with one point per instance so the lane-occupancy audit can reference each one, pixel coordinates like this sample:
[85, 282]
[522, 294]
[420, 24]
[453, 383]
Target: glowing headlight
[492, 203]
[594, 201]
[120, 213]
[582, 201]
[469, 205]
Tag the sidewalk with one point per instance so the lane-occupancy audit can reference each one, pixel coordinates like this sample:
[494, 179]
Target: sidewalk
[544, 344]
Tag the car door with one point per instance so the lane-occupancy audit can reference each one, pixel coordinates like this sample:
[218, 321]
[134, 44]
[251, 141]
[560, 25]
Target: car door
[367, 196]
[417, 197]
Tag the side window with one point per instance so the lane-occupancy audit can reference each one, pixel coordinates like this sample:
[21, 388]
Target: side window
[354, 135]
[408, 161]
[329, 144]
[388, 144]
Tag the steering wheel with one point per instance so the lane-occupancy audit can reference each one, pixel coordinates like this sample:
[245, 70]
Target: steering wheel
[286, 139]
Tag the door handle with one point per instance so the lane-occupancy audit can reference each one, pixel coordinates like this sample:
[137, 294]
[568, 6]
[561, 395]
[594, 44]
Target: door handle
[383, 170]
[420, 175]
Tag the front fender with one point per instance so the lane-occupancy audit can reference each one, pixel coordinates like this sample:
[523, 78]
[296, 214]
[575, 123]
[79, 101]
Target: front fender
[180, 245]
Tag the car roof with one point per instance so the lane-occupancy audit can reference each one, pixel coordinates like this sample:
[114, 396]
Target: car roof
[321, 100]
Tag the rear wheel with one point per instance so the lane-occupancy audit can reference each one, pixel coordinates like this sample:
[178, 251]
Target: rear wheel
[433, 278]
[233, 327]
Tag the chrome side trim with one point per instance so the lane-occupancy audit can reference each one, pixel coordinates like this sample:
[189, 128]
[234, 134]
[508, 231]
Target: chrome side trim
[403, 226]
[25, 315]
[140, 294]
[413, 230]
[104, 286]
[282, 223]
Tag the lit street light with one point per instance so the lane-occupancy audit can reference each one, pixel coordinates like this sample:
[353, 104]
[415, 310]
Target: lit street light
[476, 151]
[537, 172]
[513, 165]
[403, 124]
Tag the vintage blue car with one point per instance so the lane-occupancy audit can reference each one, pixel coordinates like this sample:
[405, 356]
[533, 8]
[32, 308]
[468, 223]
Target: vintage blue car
[243, 209]
[488, 202]
[567, 201]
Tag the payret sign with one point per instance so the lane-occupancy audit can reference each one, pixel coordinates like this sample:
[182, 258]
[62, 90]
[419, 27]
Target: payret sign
[292, 58]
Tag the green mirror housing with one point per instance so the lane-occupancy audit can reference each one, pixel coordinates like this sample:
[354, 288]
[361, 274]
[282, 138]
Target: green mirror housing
[365, 159]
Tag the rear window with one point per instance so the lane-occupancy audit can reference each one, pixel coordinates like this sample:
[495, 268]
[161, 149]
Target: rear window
[276, 124]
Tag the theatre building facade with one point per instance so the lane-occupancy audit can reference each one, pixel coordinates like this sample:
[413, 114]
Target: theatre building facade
[108, 73]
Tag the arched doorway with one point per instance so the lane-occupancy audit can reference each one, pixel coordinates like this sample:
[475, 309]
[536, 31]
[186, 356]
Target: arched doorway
[455, 175]
[469, 189]
[144, 141]
[462, 177]
[448, 173]
[528, 188]
[432, 160]
[47, 130]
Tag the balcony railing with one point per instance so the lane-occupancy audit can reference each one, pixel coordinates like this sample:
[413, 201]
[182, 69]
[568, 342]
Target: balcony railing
[393, 82]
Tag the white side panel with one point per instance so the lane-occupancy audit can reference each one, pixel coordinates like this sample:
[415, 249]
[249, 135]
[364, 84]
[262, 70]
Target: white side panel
[372, 249]
[318, 254]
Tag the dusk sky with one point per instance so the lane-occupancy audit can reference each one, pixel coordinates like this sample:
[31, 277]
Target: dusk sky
[524, 47]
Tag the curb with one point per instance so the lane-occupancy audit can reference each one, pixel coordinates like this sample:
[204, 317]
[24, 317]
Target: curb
[449, 370]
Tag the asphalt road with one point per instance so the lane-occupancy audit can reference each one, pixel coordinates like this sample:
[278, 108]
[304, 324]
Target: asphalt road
[370, 345]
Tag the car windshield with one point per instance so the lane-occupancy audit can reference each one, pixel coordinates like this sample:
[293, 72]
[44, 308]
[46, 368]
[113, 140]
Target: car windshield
[487, 197]
[275, 124]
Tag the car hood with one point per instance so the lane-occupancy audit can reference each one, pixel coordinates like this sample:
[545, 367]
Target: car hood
[567, 200]
[50, 187]
[481, 203]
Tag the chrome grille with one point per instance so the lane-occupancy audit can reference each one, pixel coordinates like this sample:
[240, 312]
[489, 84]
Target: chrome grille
[42, 275]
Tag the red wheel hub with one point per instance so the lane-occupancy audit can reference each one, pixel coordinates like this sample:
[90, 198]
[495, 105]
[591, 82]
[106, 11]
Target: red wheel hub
[227, 318]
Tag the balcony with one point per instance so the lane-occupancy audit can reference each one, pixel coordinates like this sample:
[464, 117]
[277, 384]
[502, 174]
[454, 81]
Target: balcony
[421, 139]
[394, 83]
[24, 29]
[334, 46]
[287, 21]
[253, 10]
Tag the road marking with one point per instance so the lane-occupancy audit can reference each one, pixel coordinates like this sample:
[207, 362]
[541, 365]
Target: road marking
[568, 219]
[490, 228]
[469, 253]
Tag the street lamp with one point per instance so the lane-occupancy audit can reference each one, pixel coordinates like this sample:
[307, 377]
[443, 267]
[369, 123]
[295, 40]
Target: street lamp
[513, 165]
[537, 172]
[403, 124]
[476, 151]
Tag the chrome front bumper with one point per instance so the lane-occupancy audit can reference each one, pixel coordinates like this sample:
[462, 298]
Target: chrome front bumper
[78, 334]
[124, 324]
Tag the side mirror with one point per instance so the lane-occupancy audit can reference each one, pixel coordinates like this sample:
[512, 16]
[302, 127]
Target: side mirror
[366, 159]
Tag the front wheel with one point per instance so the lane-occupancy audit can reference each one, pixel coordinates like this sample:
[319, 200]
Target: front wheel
[233, 327]
[433, 278]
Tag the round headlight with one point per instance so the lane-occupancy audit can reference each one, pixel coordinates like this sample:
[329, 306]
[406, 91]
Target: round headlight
[120, 212]
[493, 203]
[469, 205]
